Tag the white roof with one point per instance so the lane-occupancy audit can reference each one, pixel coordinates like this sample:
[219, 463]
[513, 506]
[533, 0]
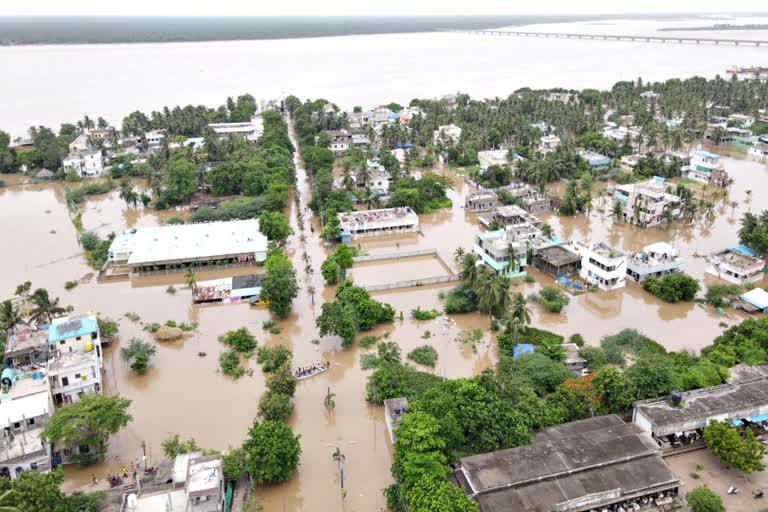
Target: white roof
[659, 248]
[205, 240]
[24, 407]
[180, 465]
[757, 297]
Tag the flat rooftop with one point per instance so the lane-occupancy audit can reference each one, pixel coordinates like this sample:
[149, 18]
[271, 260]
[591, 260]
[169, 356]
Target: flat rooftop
[383, 218]
[736, 400]
[558, 255]
[511, 210]
[483, 197]
[25, 341]
[24, 443]
[197, 242]
[72, 327]
[204, 476]
[737, 259]
[28, 406]
[567, 463]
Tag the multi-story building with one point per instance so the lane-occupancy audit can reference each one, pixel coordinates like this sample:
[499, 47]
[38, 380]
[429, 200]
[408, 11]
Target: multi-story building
[81, 143]
[494, 248]
[645, 203]
[509, 214]
[340, 142]
[759, 147]
[75, 361]
[26, 348]
[481, 202]
[601, 265]
[549, 143]
[447, 135]
[655, 260]
[702, 166]
[250, 130]
[86, 164]
[739, 265]
[22, 414]
[620, 134]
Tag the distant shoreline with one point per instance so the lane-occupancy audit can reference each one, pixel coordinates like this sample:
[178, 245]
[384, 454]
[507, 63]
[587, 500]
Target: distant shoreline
[715, 27]
[70, 30]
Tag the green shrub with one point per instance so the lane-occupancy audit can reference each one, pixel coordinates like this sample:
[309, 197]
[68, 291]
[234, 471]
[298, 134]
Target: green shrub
[186, 327]
[268, 324]
[672, 287]
[107, 327]
[419, 314]
[241, 339]
[89, 240]
[230, 364]
[529, 278]
[425, 355]
[69, 285]
[718, 292]
[170, 323]
[174, 220]
[171, 290]
[367, 341]
[153, 327]
[275, 330]
[368, 361]
[273, 358]
[551, 298]
[461, 299]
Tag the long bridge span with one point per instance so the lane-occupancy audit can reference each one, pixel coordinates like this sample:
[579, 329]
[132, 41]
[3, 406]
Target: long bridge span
[616, 37]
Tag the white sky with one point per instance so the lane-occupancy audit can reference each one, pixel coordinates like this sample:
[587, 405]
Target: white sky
[366, 7]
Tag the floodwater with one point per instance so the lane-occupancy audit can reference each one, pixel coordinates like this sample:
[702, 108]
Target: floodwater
[406, 66]
[185, 393]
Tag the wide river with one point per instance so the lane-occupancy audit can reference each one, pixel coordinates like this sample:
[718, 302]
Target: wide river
[184, 393]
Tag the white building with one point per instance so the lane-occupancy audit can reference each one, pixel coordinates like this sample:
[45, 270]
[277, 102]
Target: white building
[75, 363]
[250, 131]
[703, 165]
[86, 164]
[21, 417]
[656, 260]
[81, 143]
[738, 265]
[204, 489]
[645, 203]
[549, 143]
[447, 135]
[153, 137]
[376, 222]
[620, 133]
[492, 157]
[601, 265]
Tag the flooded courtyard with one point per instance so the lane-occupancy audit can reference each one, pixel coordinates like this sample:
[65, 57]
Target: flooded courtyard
[185, 393]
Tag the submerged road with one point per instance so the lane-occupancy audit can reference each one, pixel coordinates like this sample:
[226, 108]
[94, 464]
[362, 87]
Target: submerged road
[619, 37]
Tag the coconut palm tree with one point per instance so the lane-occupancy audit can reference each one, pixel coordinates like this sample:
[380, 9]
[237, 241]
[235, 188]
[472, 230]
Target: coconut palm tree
[339, 457]
[190, 279]
[492, 292]
[513, 327]
[513, 258]
[10, 316]
[347, 180]
[520, 309]
[329, 402]
[547, 231]
[469, 269]
[45, 309]
[618, 209]
[363, 174]
[127, 193]
[458, 254]
[733, 205]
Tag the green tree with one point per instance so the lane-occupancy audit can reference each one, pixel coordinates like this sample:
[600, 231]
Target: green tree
[182, 177]
[279, 285]
[233, 463]
[23, 289]
[615, 391]
[272, 452]
[434, 495]
[37, 492]
[702, 499]
[492, 292]
[652, 375]
[89, 421]
[275, 406]
[174, 446]
[328, 402]
[127, 193]
[46, 309]
[241, 339]
[737, 448]
[274, 226]
[10, 317]
[138, 353]
[190, 279]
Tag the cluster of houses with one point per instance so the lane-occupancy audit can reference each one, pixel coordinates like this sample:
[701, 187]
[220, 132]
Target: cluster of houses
[47, 366]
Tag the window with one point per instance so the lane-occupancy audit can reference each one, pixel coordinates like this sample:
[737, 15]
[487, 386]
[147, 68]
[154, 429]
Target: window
[31, 421]
[16, 425]
[78, 338]
[62, 342]
[77, 376]
[33, 465]
[65, 381]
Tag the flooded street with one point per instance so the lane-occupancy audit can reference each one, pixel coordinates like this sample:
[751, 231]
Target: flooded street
[186, 394]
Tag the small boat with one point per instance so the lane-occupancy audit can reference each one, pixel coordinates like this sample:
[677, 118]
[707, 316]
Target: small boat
[317, 368]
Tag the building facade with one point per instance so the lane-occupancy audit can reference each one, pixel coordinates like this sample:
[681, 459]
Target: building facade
[649, 204]
[493, 250]
[75, 363]
[656, 260]
[601, 265]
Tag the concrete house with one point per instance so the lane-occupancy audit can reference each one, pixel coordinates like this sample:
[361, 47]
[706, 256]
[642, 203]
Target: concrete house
[447, 135]
[340, 142]
[86, 164]
[481, 202]
[596, 161]
[492, 249]
[645, 203]
[601, 265]
[703, 165]
[739, 265]
[250, 130]
[656, 260]
[75, 363]
[22, 416]
[81, 143]
[549, 143]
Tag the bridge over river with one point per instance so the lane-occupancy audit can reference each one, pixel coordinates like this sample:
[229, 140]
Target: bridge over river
[618, 37]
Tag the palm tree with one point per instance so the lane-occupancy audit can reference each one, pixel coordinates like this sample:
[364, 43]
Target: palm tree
[10, 316]
[618, 209]
[513, 259]
[733, 205]
[339, 457]
[667, 217]
[347, 181]
[469, 269]
[513, 327]
[492, 292]
[329, 402]
[520, 309]
[749, 223]
[458, 254]
[547, 231]
[4, 498]
[363, 174]
[190, 279]
[45, 309]
[127, 193]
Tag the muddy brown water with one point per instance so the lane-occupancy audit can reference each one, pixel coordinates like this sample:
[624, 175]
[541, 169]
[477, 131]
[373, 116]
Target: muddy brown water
[186, 394]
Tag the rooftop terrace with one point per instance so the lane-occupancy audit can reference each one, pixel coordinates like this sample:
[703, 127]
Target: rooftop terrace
[558, 255]
[24, 341]
[386, 218]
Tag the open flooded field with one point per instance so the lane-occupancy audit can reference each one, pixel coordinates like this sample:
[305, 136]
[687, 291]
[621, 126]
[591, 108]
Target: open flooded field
[185, 393]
